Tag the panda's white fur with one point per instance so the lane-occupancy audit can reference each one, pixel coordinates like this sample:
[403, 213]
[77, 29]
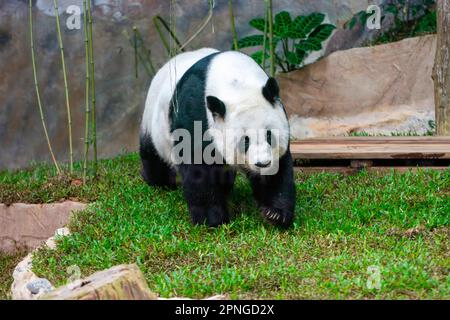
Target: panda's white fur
[237, 81]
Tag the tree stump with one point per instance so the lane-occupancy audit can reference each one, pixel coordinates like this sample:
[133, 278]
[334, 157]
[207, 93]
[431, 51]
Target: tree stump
[124, 282]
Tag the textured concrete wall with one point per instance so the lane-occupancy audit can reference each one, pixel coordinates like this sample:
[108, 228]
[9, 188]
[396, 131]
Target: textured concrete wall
[120, 96]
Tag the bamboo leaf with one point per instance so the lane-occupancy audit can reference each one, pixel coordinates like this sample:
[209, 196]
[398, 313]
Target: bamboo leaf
[257, 40]
[351, 24]
[322, 32]
[301, 55]
[292, 58]
[303, 25]
[363, 16]
[251, 41]
[276, 41]
[258, 24]
[296, 31]
[282, 26]
[392, 9]
[311, 44]
[258, 57]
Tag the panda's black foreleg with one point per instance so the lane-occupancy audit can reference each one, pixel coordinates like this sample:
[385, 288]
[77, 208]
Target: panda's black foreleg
[275, 194]
[206, 188]
[154, 170]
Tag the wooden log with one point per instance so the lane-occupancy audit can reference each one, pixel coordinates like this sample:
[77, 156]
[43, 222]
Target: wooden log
[441, 70]
[124, 282]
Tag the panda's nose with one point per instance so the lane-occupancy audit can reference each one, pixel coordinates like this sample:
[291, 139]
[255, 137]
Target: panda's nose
[263, 164]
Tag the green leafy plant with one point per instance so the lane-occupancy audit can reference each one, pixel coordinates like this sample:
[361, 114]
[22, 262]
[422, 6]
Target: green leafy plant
[410, 20]
[431, 128]
[295, 38]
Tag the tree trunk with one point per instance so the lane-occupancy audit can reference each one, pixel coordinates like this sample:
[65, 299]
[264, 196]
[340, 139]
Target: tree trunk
[124, 282]
[441, 70]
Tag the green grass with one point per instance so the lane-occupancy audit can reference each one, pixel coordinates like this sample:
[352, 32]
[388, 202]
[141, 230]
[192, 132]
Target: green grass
[431, 131]
[344, 225]
[7, 264]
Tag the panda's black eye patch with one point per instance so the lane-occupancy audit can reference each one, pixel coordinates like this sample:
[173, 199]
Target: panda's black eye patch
[244, 144]
[269, 137]
[271, 91]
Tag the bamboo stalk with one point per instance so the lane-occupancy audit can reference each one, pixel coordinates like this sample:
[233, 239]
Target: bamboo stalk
[38, 95]
[135, 52]
[266, 6]
[87, 110]
[147, 52]
[166, 44]
[233, 25]
[202, 26]
[146, 61]
[272, 49]
[180, 47]
[66, 88]
[173, 26]
[92, 78]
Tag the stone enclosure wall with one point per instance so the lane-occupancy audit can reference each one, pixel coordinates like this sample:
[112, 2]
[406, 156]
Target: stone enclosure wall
[120, 95]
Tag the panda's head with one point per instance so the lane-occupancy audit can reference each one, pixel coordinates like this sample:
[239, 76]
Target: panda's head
[249, 126]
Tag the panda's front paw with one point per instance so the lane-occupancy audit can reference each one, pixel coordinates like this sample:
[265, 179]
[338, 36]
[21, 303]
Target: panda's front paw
[217, 215]
[213, 216]
[277, 217]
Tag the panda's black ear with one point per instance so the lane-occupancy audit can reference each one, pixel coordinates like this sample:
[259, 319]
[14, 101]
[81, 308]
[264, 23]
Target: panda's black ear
[271, 91]
[216, 106]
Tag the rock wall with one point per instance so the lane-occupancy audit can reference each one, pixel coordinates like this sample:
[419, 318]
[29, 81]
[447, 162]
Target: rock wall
[379, 90]
[120, 96]
[27, 226]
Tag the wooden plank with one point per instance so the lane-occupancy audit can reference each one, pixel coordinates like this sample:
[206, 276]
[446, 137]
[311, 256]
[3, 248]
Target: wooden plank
[375, 140]
[372, 148]
[348, 170]
[349, 152]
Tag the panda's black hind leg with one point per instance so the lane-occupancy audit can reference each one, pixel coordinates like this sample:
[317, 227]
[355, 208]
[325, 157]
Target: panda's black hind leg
[154, 170]
[275, 194]
[206, 188]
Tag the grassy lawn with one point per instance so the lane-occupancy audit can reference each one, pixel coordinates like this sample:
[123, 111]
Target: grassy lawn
[7, 265]
[397, 224]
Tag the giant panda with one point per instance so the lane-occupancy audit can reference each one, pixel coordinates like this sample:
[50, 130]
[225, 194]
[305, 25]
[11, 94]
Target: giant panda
[212, 94]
